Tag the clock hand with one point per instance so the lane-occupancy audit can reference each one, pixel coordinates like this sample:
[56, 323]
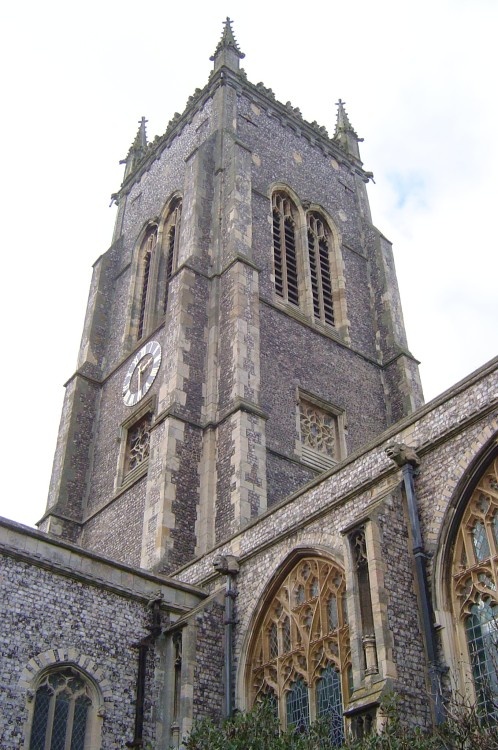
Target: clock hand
[142, 367]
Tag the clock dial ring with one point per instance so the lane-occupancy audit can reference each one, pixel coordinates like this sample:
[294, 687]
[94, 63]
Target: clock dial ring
[141, 373]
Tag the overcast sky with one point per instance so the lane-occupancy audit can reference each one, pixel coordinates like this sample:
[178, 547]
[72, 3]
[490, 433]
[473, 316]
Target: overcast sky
[419, 81]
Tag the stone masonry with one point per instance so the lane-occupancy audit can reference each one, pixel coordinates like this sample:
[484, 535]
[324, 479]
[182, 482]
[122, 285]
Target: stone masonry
[183, 442]
[234, 354]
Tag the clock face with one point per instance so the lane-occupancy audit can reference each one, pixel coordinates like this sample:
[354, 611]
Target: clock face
[141, 373]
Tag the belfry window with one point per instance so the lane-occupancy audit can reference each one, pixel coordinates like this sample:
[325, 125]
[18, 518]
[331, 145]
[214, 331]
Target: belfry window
[148, 248]
[300, 651]
[171, 234]
[475, 589]
[62, 712]
[156, 261]
[319, 263]
[307, 263]
[285, 249]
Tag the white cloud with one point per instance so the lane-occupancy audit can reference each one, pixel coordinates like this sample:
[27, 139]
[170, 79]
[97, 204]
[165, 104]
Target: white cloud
[419, 84]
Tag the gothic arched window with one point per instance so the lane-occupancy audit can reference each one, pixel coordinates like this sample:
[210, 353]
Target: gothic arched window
[146, 293]
[300, 652]
[155, 264]
[320, 270]
[171, 234]
[307, 264]
[475, 589]
[285, 260]
[63, 712]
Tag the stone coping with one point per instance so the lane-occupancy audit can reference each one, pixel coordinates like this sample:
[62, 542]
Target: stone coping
[63, 558]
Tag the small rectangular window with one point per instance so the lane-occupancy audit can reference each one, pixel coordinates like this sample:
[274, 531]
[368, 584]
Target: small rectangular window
[321, 432]
[135, 444]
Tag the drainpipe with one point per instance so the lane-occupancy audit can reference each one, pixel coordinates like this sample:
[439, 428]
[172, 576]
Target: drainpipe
[228, 565]
[143, 647]
[407, 459]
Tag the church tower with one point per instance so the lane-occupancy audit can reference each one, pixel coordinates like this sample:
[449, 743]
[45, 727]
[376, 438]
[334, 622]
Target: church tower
[243, 333]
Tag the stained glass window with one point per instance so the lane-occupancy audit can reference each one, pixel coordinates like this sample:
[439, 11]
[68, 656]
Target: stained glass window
[329, 703]
[475, 587]
[482, 636]
[40, 718]
[61, 710]
[310, 650]
[298, 712]
[332, 612]
[481, 545]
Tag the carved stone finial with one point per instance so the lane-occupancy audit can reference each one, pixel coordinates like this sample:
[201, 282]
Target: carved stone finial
[227, 41]
[402, 454]
[343, 124]
[345, 134]
[226, 564]
[137, 149]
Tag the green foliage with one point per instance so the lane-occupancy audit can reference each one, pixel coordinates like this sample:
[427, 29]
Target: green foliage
[256, 730]
[259, 730]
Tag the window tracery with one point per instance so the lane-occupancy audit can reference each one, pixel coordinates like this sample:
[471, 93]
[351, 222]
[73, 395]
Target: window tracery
[475, 585]
[306, 262]
[320, 429]
[300, 652]
[138, 443]
[155, 264]
[62, 711]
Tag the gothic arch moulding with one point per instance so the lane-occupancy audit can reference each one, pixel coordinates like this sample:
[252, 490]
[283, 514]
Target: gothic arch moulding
[307, 264]
[168, 241]
[466, 574]
[142, 272]
[297, 650]
[332, 236]
[154, 260]
[65, 692]
[458, 489]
